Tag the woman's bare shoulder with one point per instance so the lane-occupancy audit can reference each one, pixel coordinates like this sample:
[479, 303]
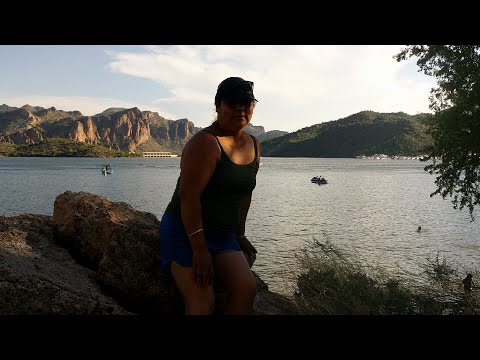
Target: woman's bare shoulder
[202, 140]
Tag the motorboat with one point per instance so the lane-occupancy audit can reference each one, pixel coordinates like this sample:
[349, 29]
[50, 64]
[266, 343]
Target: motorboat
[319, 180]
[107, 170]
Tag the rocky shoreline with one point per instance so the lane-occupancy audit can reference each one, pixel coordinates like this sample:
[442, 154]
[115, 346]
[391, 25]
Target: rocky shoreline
[94, 257]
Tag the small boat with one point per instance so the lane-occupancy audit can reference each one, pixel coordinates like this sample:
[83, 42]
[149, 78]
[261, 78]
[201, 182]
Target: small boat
[319, 180]
[107, 169]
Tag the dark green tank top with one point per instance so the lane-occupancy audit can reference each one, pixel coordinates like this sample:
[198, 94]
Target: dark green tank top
[221, 197]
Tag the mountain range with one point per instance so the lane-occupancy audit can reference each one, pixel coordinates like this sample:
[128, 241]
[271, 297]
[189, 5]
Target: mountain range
[133, 131]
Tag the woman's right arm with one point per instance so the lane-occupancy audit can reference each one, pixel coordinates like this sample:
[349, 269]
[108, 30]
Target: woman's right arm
[198, 162]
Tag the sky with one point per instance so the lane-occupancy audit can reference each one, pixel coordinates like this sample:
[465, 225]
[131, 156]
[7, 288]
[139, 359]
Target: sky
[297, 86]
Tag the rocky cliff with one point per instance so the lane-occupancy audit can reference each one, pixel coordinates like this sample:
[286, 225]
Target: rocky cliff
[118, 129]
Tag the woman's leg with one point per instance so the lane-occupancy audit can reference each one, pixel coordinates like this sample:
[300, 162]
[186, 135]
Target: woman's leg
[176, 257]
[198, 300]
[231, 268]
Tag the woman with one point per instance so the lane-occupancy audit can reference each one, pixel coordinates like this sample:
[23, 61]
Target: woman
[202, 232]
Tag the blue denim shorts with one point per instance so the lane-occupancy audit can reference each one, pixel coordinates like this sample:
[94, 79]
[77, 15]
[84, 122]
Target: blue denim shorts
[175, 245]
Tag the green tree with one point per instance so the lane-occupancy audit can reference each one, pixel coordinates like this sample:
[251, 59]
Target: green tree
[455, 126]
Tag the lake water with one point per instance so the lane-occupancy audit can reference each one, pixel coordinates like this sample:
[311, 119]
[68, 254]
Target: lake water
[372, 207]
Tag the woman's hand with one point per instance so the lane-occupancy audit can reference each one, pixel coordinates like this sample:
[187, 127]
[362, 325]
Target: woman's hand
[248, 250]
[202, 268]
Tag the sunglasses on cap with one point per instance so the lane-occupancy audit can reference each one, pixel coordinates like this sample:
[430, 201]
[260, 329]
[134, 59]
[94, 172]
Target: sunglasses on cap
[250, 84]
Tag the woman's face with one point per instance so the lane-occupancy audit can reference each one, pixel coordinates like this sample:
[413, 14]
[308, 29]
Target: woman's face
[235, 115]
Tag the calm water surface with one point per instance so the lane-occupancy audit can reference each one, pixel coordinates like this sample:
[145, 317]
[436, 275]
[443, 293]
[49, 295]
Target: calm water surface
[372, 207]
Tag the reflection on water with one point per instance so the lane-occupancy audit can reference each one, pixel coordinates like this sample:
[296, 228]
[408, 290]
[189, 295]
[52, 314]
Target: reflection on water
[372, 207]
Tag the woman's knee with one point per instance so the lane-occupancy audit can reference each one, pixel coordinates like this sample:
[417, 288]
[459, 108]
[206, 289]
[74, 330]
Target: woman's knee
[200, 303]
[246, 288]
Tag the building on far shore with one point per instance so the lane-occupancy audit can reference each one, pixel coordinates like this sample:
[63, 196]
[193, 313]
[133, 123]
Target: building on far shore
[389, 157]
[158, 154]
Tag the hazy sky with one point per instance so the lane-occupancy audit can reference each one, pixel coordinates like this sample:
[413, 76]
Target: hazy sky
[297, 86]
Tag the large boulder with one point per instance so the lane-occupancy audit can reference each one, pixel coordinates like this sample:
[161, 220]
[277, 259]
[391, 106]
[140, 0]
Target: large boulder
[121, 245]
[94, 257]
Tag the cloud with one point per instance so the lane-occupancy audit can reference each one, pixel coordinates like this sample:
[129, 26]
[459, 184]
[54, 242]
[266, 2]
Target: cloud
[304, 83]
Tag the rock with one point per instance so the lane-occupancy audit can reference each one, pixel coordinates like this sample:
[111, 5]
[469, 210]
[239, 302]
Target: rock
[95, 256]
[37, 277]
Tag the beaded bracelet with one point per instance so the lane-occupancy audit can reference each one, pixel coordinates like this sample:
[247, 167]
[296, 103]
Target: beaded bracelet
[195, 232]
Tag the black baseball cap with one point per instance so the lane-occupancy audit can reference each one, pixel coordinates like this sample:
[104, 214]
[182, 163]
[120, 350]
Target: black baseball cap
[234, 89]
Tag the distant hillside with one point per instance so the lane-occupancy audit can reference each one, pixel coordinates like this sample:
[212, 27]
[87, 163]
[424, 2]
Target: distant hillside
[110, 111]
[272, 134]
[259, 132]
[5, 108]
[59, 147]
[364, 133]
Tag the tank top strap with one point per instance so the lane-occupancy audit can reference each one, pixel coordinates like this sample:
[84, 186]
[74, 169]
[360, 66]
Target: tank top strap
[215, 136]
[221, 148]
[254, 145]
